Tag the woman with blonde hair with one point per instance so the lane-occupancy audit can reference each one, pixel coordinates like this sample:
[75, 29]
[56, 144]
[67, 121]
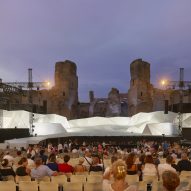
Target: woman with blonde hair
[119, 171]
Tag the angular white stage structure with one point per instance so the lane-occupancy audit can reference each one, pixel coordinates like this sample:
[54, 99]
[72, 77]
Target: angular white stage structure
[53, 126]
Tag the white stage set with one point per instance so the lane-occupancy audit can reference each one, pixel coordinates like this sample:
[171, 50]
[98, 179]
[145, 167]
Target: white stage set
[54, 126]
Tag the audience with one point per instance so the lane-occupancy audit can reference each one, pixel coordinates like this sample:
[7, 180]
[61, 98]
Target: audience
[138, 160]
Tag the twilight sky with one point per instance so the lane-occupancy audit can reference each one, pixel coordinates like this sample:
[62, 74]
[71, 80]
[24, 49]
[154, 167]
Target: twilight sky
[101, 36]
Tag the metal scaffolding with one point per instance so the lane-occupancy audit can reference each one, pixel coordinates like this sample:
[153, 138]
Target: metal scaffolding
[180, 85]
[9, 88]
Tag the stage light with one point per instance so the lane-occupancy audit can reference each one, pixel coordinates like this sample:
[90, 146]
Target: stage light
[163, 82]
[48, 84]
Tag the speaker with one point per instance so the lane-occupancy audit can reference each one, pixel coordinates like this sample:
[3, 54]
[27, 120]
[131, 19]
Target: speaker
[165, 106]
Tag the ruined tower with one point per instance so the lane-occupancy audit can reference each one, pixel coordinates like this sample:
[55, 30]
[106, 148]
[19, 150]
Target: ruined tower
[64, 95]
[114, 104]
[140, 92]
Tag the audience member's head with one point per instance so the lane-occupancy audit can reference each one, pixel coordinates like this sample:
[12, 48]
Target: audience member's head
[184, 156]
[113, 158]
[81, 160]
[87, 153]
[66, 158]
[4, 163]
[18, 153]
[170, 180]
[29, 156]
[38, 161]
[119, 169]
[42, 151]
[23, 161]
[95, 160]
[169, 159]
[52, 157]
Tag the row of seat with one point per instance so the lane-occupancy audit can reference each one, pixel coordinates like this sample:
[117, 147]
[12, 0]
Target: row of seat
[69, 186]
[96, 178]
[62, 178]
[49, 186]
[107, 162]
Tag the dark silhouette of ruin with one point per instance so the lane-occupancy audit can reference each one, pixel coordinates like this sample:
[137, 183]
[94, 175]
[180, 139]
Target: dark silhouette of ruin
[62, 99]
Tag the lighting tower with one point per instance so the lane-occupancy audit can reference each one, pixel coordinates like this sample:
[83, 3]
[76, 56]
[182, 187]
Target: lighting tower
[30, 85]
[5, 91]
[179, 85]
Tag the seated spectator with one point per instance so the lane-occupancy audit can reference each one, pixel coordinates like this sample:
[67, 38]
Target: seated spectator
[184, 164]
[22, 170]
[140, 166]
[149, 169]
[41, 170]
[170, 180]
[131, 166]
[156, 159]
[160, 153]
[96, 165]
[9, 158]
[6, 170]
[79, 167]
[119, 171]
[113, 159]
[30, 161]
[60, 147]
[17, 158]
[174, 155]
[52, 162]
[166, 166]
[32, 152]
[88, 159]
[65, 167]
[43, 156]
[175, 166]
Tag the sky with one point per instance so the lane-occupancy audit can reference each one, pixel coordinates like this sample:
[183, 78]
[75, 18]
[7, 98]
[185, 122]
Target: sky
[102, 37]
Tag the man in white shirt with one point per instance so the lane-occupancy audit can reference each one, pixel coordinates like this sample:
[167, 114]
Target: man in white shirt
[60, 147]
[88, 160]
[9, 158]
[166, 166]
